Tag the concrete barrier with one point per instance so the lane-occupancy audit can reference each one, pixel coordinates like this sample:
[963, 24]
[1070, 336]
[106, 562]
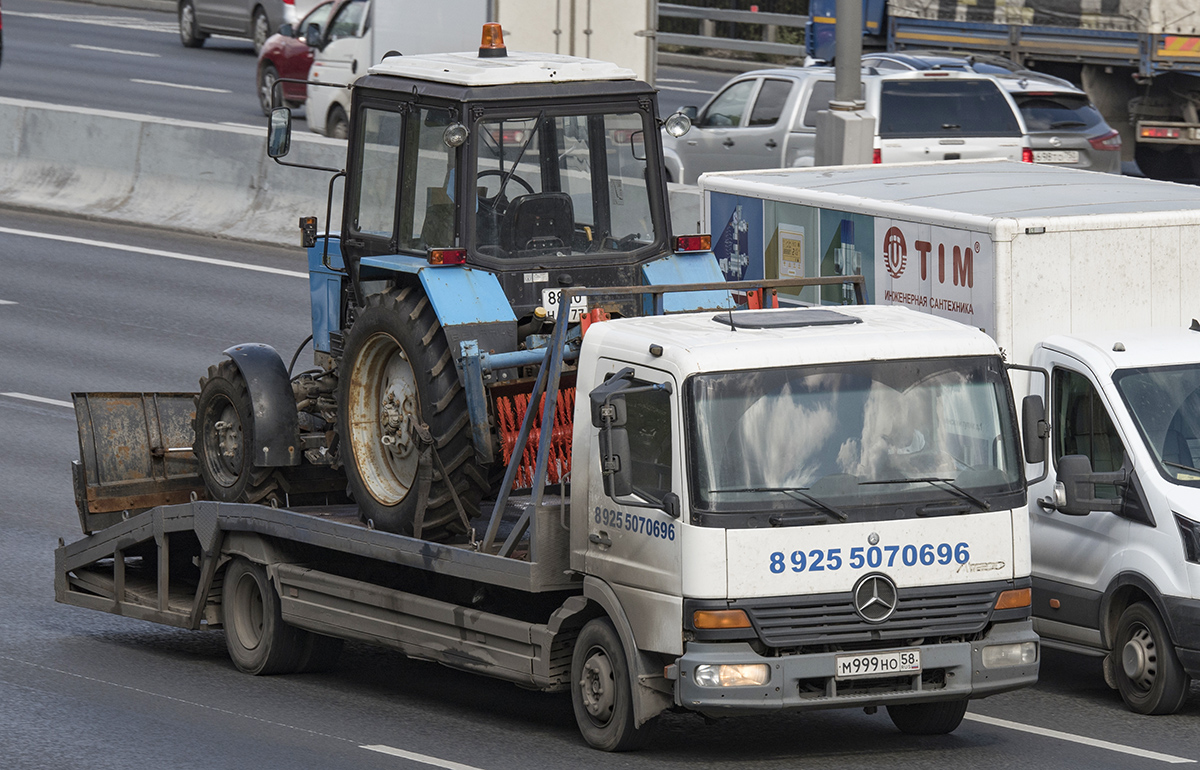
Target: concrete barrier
[181, 175]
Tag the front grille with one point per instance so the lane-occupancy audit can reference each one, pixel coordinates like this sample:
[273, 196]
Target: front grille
[795, 621]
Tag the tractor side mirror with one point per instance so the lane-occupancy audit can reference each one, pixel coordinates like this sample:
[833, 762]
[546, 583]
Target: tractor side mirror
[1034, 429]
[279, 132]
[1079, 486]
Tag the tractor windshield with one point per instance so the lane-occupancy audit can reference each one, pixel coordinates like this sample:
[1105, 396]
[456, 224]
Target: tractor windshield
[562, 185]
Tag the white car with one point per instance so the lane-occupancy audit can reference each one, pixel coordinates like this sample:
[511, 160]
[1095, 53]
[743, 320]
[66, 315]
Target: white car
[768, 118]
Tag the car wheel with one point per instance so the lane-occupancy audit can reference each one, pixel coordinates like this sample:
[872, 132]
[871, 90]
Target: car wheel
[268, 76]
[337, 126]
[260, 29]
[1149, 675]
[189, 32]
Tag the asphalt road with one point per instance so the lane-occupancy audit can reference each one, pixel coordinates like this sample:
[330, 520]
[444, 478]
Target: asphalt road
[80, 688]
[132, 61]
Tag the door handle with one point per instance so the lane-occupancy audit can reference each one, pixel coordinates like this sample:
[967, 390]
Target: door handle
[354, 67]
[771, 143]
[601, 539]
[728, 142]
[1047, 504]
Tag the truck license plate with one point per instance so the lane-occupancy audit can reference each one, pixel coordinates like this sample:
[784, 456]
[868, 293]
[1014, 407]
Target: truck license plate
[1055, 156]
[552, 298]
[878, 664]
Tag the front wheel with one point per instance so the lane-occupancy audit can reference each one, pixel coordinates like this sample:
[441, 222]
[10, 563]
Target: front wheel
[224, 443]
[189, 30]
[1149, 675]
[601, 690]
[928, 718]
[337, 125]
[267, 77]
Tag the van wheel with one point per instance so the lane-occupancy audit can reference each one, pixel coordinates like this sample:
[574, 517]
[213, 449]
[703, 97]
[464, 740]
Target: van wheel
[928, 718]
[258, 640]
[189, 33]
[1149, 675]
[337, 126]
[601, 692]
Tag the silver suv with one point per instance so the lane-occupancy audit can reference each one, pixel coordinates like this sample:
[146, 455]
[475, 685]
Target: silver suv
[767, 119]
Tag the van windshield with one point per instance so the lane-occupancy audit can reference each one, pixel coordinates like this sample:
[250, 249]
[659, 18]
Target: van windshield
[1165, 404]
[563, 185]
[860, 438]
[937, 108]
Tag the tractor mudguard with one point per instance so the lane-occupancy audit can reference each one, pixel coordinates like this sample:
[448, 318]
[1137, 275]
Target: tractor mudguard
[276, 423]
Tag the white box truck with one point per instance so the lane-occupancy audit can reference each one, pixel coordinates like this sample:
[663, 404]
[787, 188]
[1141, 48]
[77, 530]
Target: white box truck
[1092, 279]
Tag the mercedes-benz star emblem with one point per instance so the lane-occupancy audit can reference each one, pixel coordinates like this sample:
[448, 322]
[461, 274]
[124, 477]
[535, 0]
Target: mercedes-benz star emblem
[873, 538]
[875, 598]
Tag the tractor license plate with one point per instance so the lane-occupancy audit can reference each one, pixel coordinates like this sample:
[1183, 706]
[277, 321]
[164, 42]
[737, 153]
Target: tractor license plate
[877, 664]
[552, 299]
[1056, 156]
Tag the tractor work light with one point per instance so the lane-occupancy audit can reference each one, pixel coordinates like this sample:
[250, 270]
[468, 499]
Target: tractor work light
[690, 243]
[719, 619]
[447, 256]
[455, 135]
[677, 124]
[741, 675]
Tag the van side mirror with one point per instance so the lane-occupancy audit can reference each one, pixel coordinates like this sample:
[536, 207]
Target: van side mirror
[279, 132]
[1079, 486]
[1034, 429]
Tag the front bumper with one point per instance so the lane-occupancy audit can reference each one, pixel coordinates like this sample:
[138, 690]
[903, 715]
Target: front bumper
[806, 682]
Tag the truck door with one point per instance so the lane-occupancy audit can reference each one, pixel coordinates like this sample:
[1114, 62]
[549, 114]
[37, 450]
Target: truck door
[1074, 557]
[630, 545]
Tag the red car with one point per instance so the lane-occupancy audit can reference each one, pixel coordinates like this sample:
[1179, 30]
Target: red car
[286, 55]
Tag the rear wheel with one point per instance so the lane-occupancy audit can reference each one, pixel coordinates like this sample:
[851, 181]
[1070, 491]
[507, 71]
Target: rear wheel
[189, 31]
[267, 99]
[337, 125]
[928, 718]
[258, 640]
[1148, 672]
[260, 29]
[396, 374]
[601, 691]
[224, 428]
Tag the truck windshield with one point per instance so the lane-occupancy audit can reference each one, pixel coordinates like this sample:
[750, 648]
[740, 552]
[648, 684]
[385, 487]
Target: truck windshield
[1165, 403]
[855, 440]
[562, 185]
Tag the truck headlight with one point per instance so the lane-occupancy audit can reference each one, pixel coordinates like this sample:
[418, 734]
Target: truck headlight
[1003, 655]
[1189, 531]
[733, 676]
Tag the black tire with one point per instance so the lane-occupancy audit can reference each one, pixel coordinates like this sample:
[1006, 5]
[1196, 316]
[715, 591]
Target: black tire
[189, 31]
[397, 359]
[260, 29]
[1149, 675]
[1171, 164]
[267, 98]
[337, 125]
[258, 640]
[224, 428]
[321, 653]
[601, 690]
[937, 718]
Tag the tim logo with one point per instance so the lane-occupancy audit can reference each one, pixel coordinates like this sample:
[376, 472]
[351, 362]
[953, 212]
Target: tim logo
[895, 252]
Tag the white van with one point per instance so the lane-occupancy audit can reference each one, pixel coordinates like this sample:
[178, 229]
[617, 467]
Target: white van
[768, 119]
[362, 32]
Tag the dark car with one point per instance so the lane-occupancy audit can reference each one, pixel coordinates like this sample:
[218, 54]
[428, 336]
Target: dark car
[287, 55]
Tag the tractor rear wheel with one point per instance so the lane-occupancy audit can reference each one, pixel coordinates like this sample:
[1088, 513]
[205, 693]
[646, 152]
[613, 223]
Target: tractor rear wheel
[224, 443]
[396, 374]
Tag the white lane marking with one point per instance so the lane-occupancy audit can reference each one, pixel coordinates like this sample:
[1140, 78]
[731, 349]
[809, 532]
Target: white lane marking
[7, 302]
[154, 252]
[241, 125]
[102, 49]
[180, 85]
[674, 80]
[39, 399]
[1072, 738]
[121, 22]
[689, 90]
[422, 758]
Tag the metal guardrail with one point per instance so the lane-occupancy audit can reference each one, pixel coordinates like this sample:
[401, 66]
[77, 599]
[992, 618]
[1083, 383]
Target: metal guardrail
[708, 39]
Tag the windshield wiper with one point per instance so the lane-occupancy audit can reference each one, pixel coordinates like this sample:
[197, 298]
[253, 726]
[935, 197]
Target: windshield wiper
[1181, 467]
[796, 493]
[983, 505]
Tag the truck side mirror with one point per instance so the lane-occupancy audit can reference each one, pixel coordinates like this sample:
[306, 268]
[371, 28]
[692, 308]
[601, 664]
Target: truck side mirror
[614, 460]
[1079, 486]
[279, 132]
[312, 36]
[1034, 429]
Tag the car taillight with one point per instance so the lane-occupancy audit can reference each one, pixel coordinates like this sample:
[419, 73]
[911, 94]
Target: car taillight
[447, 256]
[877, 156]
[1026, 155]
[1109, 141]
[692, 243]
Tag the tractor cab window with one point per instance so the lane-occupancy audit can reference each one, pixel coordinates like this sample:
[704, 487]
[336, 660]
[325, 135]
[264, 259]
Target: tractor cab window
[379, 162]
[427, 187]
[562, 185]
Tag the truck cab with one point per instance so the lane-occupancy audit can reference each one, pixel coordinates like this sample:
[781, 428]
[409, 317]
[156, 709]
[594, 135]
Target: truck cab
[1120, 493]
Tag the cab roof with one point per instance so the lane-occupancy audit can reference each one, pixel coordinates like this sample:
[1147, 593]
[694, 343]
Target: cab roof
[469, 69]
